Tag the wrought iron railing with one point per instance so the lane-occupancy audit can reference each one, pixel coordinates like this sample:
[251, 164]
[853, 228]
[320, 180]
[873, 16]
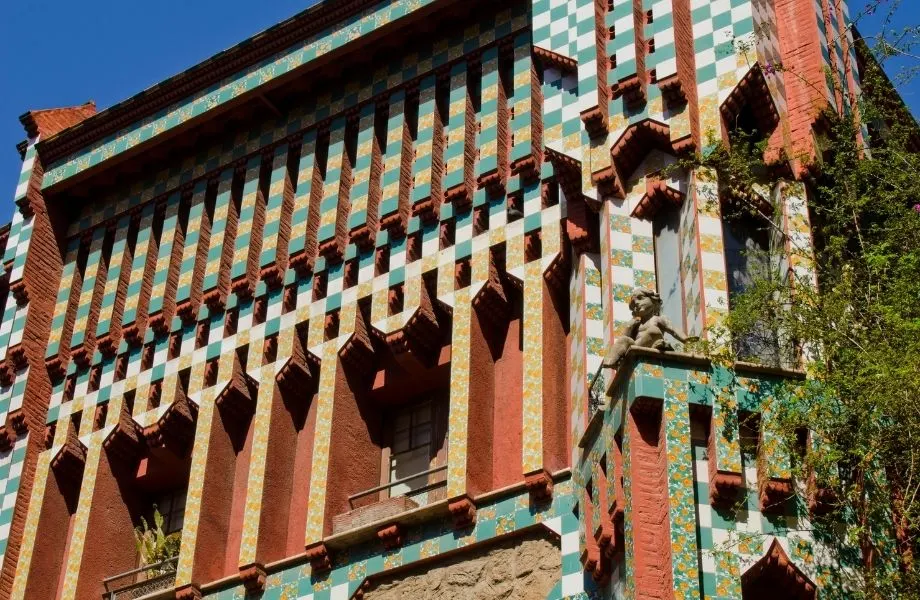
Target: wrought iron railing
[142, 581]
[429, 487]
[596, 391]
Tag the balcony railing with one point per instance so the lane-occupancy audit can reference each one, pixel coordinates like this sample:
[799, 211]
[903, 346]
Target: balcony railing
[596, 391]
[141, 582]
[429, 487]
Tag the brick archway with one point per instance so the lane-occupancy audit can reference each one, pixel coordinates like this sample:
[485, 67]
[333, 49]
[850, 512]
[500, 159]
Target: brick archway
[776, 576]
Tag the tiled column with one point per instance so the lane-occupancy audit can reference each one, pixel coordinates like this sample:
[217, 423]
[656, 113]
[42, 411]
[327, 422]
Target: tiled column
[140, 279]
[305, 218]
[166, 277]
[83, 342]
[334, 208]
[244, 273]
[459, 153]
[206, 528]
[194, 254]
[103, 513]
[427, 193]
[458, 427]
[215, 285]
[526, 110]
[494, 134]
[396, 180]
[365, 190]
[273, 261]
[108, 330]
[58, 351]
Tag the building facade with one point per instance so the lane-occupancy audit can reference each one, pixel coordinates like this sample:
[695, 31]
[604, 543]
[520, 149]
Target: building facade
[334, 302]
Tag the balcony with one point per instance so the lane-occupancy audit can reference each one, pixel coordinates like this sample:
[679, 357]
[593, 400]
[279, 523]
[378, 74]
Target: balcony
[415, 491]
[147, 582]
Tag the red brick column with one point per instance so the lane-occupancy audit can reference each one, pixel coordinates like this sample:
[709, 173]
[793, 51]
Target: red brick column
[649, 486]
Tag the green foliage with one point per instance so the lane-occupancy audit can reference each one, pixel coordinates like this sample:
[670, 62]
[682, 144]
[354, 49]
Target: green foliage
[153, 545]
[852, 320]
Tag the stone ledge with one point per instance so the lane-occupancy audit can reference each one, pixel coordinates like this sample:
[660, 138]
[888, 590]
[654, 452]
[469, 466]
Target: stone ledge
[347, 539]
[373, 513]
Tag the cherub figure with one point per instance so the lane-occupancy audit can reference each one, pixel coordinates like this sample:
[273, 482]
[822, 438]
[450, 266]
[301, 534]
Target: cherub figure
[646, 329]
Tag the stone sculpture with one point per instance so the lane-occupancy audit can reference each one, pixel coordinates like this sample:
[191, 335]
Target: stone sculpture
[646, 329]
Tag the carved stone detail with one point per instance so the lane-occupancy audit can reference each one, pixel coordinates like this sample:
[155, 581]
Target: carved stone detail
[253, 577]
[188, 592]
[540, 486]
[318, 556]
[391, 536]
[463, 512]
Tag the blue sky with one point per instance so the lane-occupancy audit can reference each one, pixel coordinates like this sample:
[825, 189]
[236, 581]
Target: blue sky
[60, 52]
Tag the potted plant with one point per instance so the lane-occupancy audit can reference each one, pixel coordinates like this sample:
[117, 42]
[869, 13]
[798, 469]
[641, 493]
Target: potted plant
[154, 546]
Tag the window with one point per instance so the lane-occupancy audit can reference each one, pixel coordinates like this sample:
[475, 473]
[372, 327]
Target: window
[747, 257]
[410, 452]
[417, 435]
[172, 506]
[666, 231]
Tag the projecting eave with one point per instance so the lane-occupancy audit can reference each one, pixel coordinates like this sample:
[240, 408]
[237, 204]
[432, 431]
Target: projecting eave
[314, 39]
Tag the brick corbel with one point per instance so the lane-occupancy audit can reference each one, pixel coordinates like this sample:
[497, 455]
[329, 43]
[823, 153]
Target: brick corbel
[724, 487]
[526, 168]
[421, 334]
[539, 484]
[176, 428]
[752, 91]
[460, 196]
[190, 591]
[70, 459]
[561, 62]
[492, 181]
[297, 374]
[253, 577]
[318, 556]
[672, 91]
[127, 438]
[238, 396]
[391, 536]
[358, 351]
[16, 357]
[16, 420]
[557, 274]
[774, 493]
[658, 195]
[7, 373]
[20, 291]
[595, 122]
[821, 500]
[463, 511]
[594, 562]
[605, 180]
[581, 226]
[7, 438]
[491, 302]
[57, 365]
[633, 91]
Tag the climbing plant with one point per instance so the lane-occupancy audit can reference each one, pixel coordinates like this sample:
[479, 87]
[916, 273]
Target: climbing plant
[849, 315]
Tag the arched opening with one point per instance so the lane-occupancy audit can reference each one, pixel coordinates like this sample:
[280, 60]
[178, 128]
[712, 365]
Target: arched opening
[388, 452]
[140, 489]
[775, 576]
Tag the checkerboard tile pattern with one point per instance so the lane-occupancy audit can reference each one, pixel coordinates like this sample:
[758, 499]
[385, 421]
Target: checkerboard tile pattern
[721, 543]
[187, 257]
[250, 79]
[11, 463]
[495, 519]
[197, 235]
